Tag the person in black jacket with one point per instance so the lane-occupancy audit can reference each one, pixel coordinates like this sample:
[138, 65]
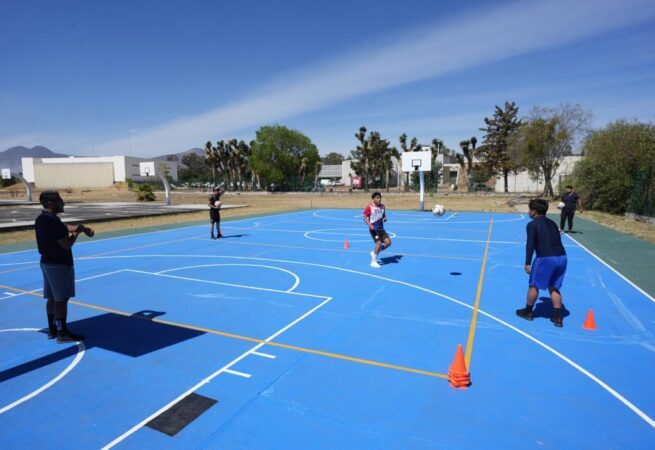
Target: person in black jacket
[571, 200]
[215, 212]
[55, 241]
[549, 267]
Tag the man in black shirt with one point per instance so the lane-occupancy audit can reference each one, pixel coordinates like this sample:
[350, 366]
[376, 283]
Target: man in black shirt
[55, 240]
[570, 199]
[549, 267]
[214, 212]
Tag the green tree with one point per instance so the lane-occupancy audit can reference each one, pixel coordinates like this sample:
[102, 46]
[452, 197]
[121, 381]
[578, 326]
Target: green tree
[332, 158]
[362, 156]
[277, 153]
[498, 131]
[193, 168]
[614, 157]
[546, 137]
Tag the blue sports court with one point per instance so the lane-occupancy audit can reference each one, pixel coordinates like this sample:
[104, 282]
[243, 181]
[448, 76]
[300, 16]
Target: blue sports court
[281, 336]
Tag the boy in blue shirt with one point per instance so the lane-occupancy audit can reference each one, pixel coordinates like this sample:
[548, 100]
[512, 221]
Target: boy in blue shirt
[548, 268]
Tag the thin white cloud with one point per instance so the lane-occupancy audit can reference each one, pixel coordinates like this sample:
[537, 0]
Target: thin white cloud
[465, 42]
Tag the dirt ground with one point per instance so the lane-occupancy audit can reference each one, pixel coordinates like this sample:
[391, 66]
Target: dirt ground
[266, 203]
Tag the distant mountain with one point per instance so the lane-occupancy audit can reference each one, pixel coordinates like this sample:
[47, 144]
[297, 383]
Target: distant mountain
[198, 151]
[10, 158]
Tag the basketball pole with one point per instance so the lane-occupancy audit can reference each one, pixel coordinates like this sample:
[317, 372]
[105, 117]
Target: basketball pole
[421, 183]
[28, 188]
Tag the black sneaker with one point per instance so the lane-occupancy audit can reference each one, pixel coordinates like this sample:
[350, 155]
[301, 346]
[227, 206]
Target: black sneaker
[557, 321]
[213, 237]
[52, 333]
[523, 313]
[65, 338]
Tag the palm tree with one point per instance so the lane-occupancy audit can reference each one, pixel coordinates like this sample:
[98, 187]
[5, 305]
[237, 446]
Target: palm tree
[211, 159]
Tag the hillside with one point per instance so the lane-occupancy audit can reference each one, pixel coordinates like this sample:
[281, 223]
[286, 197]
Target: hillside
[10, 158]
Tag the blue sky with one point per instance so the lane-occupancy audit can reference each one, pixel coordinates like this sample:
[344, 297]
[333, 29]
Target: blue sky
[154, 77]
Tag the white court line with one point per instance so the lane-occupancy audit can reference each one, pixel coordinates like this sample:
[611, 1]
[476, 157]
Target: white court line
[148, 232]
[451, 216]
[237, 373]
[316, 214]
[291, 289]
[264, 355]
[214, 375]
[78, 357]
[34, 291]
[257, 288]
[648, 296]
[576, 366]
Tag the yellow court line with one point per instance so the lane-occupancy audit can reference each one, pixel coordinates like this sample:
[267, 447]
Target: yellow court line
[476, 306]
[252, 339]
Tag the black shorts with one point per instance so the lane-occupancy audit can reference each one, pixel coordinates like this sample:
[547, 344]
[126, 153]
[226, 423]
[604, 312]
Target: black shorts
[378, 235]
[214, 215]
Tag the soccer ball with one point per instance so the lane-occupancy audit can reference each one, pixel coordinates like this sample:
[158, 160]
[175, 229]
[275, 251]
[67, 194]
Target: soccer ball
[217, 203]
[561, 205]
[438, 210]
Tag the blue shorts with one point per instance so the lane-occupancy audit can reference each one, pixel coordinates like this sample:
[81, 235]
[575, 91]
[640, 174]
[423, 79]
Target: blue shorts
[58, 281]
[548, 271]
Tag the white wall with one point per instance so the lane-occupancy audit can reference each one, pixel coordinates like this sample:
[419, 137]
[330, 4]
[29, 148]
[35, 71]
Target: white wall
[522, 182]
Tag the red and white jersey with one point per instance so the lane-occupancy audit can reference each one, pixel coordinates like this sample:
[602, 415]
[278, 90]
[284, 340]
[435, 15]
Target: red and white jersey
[376, 215]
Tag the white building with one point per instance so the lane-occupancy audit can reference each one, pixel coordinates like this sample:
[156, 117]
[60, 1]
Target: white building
[523, 182]
[89, 172]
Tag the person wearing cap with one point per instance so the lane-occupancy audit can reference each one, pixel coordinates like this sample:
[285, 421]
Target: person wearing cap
[214, 212]
[55, 240]
[571, 200]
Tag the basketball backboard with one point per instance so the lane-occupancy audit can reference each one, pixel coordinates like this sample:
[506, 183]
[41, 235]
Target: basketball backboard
[6, 174]
[147, 169]
[420, 161]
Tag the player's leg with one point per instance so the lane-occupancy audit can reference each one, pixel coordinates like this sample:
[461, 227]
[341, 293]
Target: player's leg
[376, 250]
[554, 286]
[218, 227]
[562, 219]
[49, 305]
[556, 299]
[211, 228]
[531, 298]
[570, 220]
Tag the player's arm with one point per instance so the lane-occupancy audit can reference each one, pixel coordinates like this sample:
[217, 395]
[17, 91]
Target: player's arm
[529, 246]
[211, 204]
[70, 238]
[367, 217]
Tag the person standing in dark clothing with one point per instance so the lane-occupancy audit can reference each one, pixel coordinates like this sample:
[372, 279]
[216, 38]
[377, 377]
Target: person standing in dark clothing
[55, 241]
[549, 267]
[570, 199]
[214, 212]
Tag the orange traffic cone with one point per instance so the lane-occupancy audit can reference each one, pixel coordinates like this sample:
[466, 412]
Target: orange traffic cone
[589, 322]
[346, 245]
[458, 375]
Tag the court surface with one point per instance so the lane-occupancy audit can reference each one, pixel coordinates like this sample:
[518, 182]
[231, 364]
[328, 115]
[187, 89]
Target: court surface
[278, 337]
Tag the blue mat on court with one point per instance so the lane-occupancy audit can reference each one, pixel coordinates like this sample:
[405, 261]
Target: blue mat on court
[279, 337]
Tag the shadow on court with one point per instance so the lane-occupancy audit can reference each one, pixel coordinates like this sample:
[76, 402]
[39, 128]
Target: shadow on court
[134, 336]
[395, 259]
[544, 308]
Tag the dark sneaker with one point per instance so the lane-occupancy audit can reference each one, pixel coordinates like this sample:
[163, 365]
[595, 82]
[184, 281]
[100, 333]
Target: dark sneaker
[557, 321]
[52, 333]
[523, 313]
[213, 237]
[65, 338]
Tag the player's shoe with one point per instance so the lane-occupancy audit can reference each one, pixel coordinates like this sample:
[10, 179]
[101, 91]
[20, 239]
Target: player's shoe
[523, 313]
[375, 264]
[557, 321]
[65, 337]
[52, 332]
[212, 236]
